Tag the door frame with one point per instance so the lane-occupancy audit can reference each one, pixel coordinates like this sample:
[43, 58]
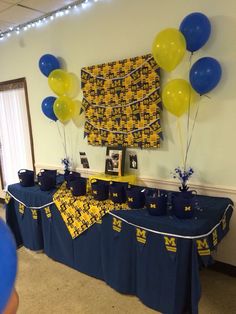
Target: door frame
[21, 80]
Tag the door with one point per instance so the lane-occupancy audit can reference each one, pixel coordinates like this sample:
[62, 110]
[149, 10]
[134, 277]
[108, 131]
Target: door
[16, 143]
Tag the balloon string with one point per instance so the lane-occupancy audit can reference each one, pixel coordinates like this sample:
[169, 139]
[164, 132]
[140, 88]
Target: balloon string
[191, 135]
[64, 134]
[63, 144]
[207, 96]
[188, 118]
[180, 138]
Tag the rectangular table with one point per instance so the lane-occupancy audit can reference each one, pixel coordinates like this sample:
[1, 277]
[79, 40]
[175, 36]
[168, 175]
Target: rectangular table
[154, 258]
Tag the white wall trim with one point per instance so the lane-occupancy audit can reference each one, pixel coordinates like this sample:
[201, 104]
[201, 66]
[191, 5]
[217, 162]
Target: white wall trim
[214, 190]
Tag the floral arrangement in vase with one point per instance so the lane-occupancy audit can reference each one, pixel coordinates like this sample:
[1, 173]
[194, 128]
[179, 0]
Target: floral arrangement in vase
[183, 175]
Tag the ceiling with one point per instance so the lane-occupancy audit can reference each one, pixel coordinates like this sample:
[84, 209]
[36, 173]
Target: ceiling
[17, 12]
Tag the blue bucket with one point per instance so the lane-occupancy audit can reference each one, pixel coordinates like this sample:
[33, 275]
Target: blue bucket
[100, 190]
[71, 176]
[117, 191]
[78, 186]
[156, 203]
[135, 197]
[183, 204]
[47, 179]
[26, 177]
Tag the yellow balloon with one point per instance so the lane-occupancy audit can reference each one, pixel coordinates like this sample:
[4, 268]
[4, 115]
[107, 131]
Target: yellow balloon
[168, 48]
[73, 88]
[59, 81]
[177, 96]
[64, 108]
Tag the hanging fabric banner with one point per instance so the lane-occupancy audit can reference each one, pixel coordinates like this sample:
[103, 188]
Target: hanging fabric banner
[171, 246]
[141, 235]
[48, 212]
[21, 209]
[204, 247]
[122, 99]
[34, 214]
[7, 198]
[116, 224]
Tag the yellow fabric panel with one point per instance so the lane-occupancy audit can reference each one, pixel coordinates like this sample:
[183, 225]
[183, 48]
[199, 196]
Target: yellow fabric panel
[122, 103]
[7, 198]
[79, 213]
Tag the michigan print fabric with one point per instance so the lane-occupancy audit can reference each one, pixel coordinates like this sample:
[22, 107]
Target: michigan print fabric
[81, 212]
[122, 103]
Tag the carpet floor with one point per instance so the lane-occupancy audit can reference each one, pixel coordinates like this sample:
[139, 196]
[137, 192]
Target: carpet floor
[45, 286]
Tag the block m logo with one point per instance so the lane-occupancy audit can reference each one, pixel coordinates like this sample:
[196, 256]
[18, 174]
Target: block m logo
[117, 224]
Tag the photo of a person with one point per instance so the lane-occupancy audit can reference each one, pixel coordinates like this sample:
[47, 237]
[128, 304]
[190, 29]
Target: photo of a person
[115, 158]
[109, 164]
[114, 161]
[133, 161]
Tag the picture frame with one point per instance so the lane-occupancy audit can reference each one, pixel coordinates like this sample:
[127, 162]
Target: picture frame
[115, 161]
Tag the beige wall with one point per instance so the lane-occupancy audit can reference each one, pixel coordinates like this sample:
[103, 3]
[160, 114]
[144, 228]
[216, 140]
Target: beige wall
[115, 29]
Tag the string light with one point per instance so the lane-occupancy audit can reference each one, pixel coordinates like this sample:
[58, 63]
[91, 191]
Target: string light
[44, 19]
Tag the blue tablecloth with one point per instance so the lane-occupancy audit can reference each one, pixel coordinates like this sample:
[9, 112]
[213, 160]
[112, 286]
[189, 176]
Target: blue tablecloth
[154, 258]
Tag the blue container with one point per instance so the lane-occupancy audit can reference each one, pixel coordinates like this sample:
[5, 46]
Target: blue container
[71, 176]
[156, 204]
[100, 190]
[47, 179]
[26, 177]
[135, 197]
[49, 172]
[183, 204]
[78, 186]
[117, 191]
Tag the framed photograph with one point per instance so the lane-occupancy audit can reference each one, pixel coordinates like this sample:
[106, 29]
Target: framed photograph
[84, 160]
[115, 161]
[133, 160]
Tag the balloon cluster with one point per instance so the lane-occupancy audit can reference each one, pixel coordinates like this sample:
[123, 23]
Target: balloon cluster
[65, 86]
[168, 49]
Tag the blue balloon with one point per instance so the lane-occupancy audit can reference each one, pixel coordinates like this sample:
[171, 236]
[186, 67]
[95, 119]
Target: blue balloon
[8, 264]
[47, 107]
[196, 29]
[205, 74]
[48, 63]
